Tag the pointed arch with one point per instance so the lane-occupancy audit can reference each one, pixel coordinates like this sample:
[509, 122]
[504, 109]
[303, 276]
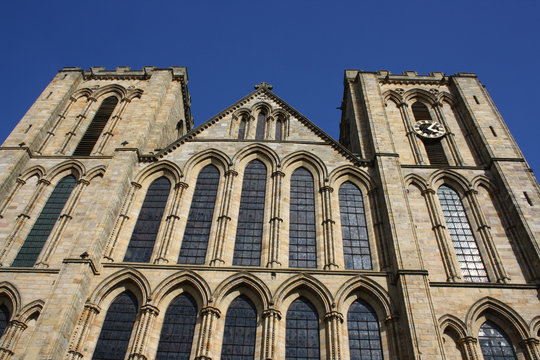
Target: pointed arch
[134, 93]
[350, 172]
[97, 171]
[451, 178]
[368, 290]
[304, 285]
[302, 158]
[501, 314]
[446, 97]
[162, 166]
[257, 151]
[483, 181]
[129, 278]
[31, 310]
[10, 297]
[419, 94]
[76, 168]
[454, 323]
[199, 288]
[111, 89]
[417, 180]
[261, 105]
[83, 92]
[534, 326]
[391, 95]
[37, 170]
[247, 284]
[208, 156]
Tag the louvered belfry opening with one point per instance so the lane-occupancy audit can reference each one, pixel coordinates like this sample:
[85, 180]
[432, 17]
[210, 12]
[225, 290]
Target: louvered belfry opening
[435, 152]
[420, 111]
[91, 136]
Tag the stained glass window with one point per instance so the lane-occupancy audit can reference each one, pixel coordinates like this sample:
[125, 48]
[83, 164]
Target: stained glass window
[4, 318]
[91, 136]
[45, 222]
[463, 240]
[247, 248]
[302, 335]
[240, 330]
[353, 228]
[494, 343]
[147, 226]
[364, 334]
[176, 337]
[199, 220]
[261, 124]
[116, 331]
[302, 236]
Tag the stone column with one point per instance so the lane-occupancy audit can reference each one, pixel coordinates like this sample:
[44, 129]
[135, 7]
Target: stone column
[392, 324]
[63, 220]
[530, 348]
[140, 344]
[209, 316]
[271, 318]
[223, 219]
[72, 132]
[411, 135]
[275, 220]
[378, 227]
[485, 234]
[61, 117]
[333, 321]
[10, 338]
[170, 221]
[442, 236]
[468, 347]
[81, 331]
[328, 229]
[5, 203]
[449, 135]
[22, 218]
[119, 225]
[110, 126]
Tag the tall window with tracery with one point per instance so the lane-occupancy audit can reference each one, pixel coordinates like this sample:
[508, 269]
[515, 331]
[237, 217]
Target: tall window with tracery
[302, 234]
[147, 226]
[240, 330]
[199, 222]
[176, 337]
[247, 248]
[116, 330]
[465, 245]
[364, 334]
[302, 335]
[494, 343]
[353, 228]
[91, 136]
[4, 318]
[45, 222]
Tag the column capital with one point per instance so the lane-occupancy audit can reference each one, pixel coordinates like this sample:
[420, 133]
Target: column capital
[150, 309]
[92, 307]
[20, 181]
[468, 340]
[211, 310]
[44, 182]
[181, 185]
[529, 341]
[278, 173]
[333, 315]
[231, 173]
[326, 189]
[470, 192]
[426, 191]
[18, 324]
[272, 313]
[136, 185]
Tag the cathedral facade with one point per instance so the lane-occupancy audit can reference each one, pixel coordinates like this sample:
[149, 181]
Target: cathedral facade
[128, 233]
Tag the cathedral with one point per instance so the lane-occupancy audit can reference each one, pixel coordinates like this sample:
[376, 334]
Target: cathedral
[128, 233]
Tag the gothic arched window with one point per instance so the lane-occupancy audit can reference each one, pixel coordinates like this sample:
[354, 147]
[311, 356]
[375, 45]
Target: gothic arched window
[199, 222]
[45, 222]
[176, 337]
[240, 330]
[353, 228]
[242, 128]
[302, 235]
[302, 335]
[279, 129]
[494, 343]
[364, 333]
[261, 124]
[116, 330]
[4, 318]
[434, 148]
[247, 248]
[147, 226]
[458, 226]
[91, 136]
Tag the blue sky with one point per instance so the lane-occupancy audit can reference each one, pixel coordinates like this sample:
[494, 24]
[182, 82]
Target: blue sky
[301, 47]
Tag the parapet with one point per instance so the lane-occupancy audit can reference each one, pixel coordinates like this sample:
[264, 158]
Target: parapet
[126, 73]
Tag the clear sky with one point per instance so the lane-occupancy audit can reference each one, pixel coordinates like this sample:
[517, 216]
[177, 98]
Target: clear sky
[300, 47]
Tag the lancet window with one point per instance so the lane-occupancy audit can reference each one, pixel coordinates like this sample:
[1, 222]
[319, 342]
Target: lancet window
[302, 335]
[494, 343]
[247, 248]
[364, 334]
[240, 330]
[261, 125]
[45, 222]
[147, 226]
[4, 318]
[197, 233]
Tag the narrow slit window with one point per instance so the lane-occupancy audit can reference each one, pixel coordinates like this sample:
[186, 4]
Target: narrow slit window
[147, 226]
[364, 334]
[279, 130]
[247, 247]
[353, 228]
[176, 337]
[240, 330]
[45, 222]
[458, 226]
[302, 234]
[242, 128]
[116, 330]
[91, 136]
[197, 233]
[302, 334]
[261, 124]
[494, 343]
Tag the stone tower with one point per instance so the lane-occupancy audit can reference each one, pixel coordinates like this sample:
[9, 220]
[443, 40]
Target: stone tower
[126, 233]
